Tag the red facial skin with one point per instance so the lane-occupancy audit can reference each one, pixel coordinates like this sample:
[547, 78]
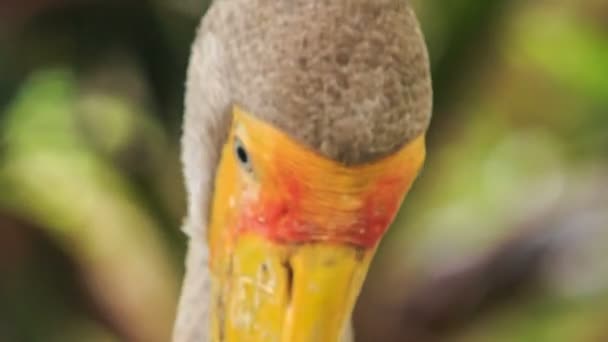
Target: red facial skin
[283, 217]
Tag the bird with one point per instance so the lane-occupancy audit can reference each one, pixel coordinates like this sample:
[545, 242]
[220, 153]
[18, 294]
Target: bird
[304, 128]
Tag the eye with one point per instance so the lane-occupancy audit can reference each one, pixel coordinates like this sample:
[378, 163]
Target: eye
[242, 156]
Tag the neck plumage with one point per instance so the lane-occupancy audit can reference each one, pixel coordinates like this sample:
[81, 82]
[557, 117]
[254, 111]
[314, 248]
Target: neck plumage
[192, 320]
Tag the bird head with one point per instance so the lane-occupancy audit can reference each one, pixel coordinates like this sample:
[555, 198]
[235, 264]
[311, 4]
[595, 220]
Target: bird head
[304, 130]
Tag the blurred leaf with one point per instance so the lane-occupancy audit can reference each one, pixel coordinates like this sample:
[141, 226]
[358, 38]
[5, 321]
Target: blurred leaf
[568, 48]
[51, 175]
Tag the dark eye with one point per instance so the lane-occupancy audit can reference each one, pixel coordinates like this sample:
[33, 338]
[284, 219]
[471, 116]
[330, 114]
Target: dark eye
[242, 155]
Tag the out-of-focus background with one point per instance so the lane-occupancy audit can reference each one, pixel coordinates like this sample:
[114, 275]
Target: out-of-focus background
[503, 238]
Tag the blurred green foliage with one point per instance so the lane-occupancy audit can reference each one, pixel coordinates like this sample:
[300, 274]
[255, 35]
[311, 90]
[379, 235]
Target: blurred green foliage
[502, 238]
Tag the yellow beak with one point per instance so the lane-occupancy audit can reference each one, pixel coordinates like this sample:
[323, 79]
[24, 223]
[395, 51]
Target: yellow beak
[292, 234]
[289, 294]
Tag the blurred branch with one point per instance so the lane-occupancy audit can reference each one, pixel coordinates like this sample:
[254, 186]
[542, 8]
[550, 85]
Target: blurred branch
[41, 290]
[550, 256]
